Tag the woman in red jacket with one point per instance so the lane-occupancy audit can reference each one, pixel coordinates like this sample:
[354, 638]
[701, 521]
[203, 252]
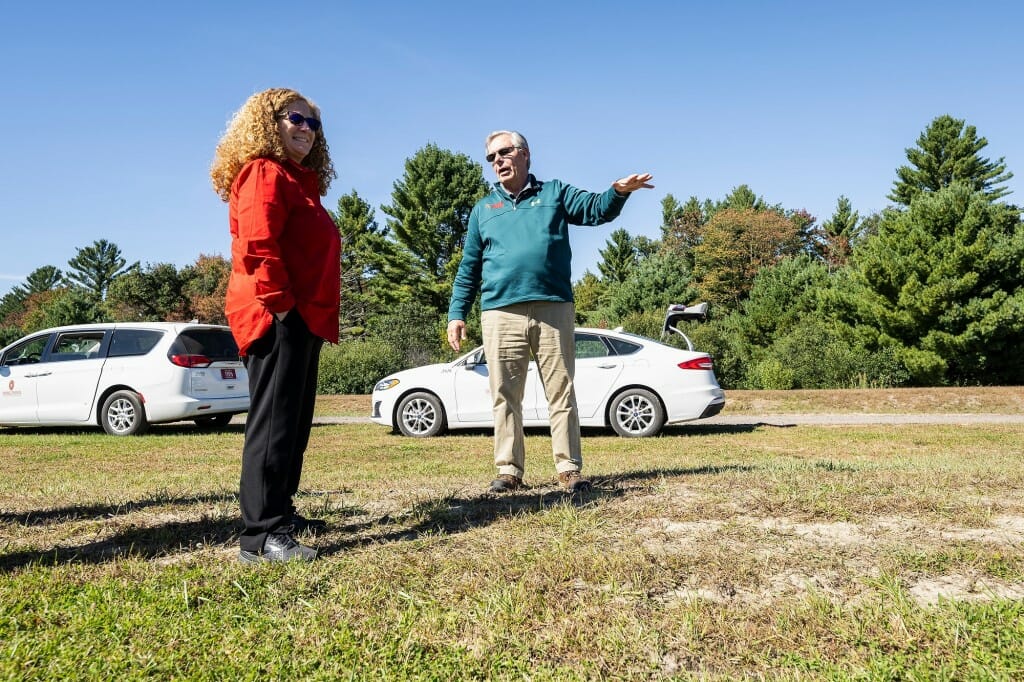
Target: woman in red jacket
[272, 166]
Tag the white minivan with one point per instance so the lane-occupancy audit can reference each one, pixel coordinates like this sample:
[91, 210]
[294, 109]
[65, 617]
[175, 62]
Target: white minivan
[123, 376]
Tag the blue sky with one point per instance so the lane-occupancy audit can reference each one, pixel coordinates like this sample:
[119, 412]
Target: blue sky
[114, 108]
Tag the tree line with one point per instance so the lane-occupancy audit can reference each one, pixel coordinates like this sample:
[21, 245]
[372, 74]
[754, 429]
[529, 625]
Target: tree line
[929, 291]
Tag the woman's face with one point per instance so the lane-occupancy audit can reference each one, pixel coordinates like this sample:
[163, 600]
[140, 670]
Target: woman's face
[297, 139]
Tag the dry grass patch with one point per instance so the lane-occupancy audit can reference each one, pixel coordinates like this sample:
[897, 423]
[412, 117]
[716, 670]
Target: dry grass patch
[980, 400]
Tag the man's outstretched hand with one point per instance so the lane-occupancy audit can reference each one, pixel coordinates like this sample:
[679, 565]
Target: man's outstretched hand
[633, 182]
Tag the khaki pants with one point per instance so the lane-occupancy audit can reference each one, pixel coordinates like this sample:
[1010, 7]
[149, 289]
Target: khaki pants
[510, 334]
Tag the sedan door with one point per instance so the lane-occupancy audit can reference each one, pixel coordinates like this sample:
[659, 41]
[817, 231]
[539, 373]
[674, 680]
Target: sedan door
[473, 401]
[597, 369]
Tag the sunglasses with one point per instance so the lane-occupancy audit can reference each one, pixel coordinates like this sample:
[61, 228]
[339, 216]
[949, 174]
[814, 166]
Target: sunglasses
[503, 152]
[298, 119]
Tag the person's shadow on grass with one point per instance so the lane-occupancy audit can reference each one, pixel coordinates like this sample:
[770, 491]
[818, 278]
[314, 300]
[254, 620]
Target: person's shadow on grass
[447, 514]
[453, 514]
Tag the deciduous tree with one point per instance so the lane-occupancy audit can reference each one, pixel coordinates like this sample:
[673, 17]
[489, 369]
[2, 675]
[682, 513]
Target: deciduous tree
[154, 292]
[736, 244]
[206, 285]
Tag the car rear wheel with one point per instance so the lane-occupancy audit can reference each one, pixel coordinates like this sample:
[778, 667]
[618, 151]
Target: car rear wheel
[123, 414]
[636, 413]
[214, 421]
[420, 415]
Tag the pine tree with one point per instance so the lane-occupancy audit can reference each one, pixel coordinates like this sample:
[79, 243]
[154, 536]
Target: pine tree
[618, 258]
[374, 270]
[948, 152]
[94, 267]
[430, 214]
[942, 283]
[841, 232]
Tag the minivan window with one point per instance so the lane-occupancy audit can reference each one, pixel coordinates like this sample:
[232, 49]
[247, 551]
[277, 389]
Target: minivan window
[216, 344]
[127, 342]
[77, 345]
[26, 352]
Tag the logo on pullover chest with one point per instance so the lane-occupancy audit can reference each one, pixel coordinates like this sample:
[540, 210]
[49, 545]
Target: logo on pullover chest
[500, 204]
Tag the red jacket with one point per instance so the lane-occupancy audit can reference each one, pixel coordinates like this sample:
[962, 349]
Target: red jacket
[285, 252]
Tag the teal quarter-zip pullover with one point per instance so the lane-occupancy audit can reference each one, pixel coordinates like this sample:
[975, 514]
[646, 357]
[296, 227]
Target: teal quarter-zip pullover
[517, 249]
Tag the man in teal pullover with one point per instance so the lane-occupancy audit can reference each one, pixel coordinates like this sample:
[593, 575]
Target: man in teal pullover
[517, 255]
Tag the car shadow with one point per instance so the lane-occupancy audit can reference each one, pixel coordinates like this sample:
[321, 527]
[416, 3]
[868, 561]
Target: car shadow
[672, 430]
[172, 429]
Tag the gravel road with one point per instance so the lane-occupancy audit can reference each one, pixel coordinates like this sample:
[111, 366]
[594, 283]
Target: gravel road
[835, 419]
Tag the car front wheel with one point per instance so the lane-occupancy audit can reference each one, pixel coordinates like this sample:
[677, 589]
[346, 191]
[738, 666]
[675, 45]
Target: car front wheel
[420, 415]
[636, 413]
[123, 414]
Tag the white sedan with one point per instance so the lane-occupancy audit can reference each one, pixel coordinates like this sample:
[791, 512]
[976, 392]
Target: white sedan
[123, 376]
[631, 383]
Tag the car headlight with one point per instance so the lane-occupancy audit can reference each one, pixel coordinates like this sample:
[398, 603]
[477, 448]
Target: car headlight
[385, 384]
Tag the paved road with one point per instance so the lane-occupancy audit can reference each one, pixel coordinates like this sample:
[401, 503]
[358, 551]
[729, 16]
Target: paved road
[835, 419]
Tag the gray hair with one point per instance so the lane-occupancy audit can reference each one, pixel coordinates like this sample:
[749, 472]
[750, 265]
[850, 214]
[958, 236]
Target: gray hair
[517, 139]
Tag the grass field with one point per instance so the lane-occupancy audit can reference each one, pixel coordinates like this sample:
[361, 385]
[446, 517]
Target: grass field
[825, 552]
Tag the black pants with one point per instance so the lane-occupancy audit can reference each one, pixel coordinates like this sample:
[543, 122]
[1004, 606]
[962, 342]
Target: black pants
[282, 367]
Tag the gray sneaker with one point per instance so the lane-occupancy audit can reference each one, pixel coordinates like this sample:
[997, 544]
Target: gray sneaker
[278, 547]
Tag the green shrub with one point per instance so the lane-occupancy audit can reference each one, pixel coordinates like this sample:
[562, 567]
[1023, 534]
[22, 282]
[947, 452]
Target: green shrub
[820, 355]
[353, 367]
[770, 374]
[416, 332]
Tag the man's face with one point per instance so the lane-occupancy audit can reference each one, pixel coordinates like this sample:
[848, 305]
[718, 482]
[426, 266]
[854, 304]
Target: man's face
[510, 167]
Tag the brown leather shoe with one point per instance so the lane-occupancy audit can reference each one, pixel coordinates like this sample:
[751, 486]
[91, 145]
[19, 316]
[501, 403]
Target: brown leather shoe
[574, 482]
[505, 483]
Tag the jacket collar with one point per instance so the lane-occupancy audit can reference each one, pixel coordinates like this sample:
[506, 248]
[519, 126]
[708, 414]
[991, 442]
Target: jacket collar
[532, 185]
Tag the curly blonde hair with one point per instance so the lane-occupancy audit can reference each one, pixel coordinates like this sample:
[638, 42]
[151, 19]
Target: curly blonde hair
[253, 134]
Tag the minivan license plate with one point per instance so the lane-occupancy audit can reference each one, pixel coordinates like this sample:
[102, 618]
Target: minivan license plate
[227, 374]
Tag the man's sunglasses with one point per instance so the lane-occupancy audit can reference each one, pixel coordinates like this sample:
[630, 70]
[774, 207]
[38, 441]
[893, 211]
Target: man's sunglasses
[298, 119]
[503, 152]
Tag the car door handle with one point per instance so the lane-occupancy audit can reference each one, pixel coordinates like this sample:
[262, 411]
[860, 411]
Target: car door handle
[40, 374]
[607, 366]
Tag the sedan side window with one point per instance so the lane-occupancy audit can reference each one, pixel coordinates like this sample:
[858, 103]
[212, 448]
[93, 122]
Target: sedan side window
[26, 353]
[623, 347]
[590, 346]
